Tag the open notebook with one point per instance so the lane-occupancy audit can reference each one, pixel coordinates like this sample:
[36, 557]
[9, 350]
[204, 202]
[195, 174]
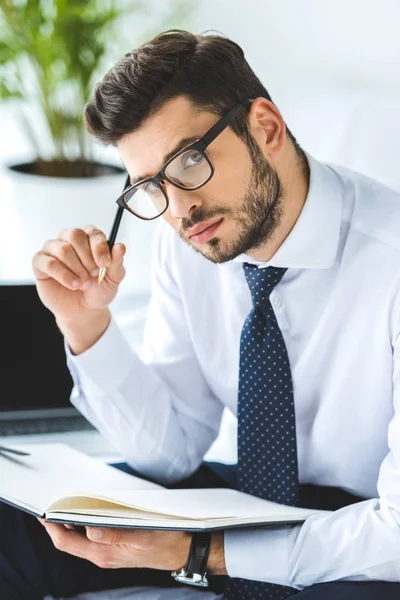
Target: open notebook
[66, 486]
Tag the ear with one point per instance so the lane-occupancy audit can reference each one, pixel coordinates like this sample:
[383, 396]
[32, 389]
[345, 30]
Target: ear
[267, 126]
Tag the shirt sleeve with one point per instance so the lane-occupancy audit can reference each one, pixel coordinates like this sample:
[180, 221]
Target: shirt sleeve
[156, 409]
[360, 542]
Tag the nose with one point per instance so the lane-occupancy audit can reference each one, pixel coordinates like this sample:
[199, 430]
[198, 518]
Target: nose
[182, 203]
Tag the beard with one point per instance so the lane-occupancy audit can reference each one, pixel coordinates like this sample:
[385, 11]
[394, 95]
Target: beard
[257, 217]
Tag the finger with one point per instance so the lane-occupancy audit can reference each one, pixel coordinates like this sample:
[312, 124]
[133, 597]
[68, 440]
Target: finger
[46, 266]
[68, 540]
[98, 245]
[79, 545]
[116, 270]
[78, 238]
[66, 254]
[66, 525]
[118, 252]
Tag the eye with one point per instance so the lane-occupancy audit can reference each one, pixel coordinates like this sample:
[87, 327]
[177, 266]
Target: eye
[191, 159]
[150, 187]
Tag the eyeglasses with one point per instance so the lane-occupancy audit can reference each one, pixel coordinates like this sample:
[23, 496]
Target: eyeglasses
[189, 169]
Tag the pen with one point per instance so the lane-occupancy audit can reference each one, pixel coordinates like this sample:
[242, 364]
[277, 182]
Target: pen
[111, 239]
[13, 451]
[113, 234]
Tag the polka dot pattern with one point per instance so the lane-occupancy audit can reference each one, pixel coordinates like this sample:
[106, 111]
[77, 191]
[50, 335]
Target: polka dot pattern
[267, 454]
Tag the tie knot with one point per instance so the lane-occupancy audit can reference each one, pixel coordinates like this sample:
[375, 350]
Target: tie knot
[262, 281]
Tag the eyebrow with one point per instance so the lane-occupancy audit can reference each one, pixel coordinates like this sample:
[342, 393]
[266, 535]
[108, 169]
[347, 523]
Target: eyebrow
[179, 146]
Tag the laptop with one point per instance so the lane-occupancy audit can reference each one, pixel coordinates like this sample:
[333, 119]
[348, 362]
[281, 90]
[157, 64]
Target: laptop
[35, 383]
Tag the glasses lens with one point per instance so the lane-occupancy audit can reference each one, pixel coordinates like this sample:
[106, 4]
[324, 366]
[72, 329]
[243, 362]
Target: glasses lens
[146, 200]
[189, 169]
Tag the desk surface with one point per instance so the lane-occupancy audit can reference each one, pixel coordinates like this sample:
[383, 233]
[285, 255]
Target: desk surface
[89, 442]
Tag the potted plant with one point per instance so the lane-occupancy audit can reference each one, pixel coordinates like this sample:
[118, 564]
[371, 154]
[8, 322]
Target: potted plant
[51, 55]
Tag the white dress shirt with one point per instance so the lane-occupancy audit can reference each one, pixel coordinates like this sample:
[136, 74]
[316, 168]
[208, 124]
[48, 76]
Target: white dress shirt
[338, 308]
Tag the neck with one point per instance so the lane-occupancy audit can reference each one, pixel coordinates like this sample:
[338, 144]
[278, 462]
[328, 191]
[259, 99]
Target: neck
[295, 180]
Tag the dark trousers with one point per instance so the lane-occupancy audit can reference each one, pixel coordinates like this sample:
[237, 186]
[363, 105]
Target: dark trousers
[31, 568]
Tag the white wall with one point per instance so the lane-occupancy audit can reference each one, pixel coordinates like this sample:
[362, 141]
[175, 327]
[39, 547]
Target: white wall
[328, 66]
[348, 43]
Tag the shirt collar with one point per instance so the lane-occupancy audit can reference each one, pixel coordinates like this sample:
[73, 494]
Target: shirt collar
[314, 239]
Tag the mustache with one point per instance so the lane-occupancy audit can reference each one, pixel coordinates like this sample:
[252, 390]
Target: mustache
[203, 215]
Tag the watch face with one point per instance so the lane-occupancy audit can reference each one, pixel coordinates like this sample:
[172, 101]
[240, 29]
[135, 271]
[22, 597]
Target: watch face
[193, 579]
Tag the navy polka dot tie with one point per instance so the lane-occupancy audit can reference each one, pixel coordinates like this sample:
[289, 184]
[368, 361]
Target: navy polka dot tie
[267, 455]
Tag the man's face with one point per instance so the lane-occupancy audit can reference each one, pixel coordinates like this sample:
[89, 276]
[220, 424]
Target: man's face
[237, 211]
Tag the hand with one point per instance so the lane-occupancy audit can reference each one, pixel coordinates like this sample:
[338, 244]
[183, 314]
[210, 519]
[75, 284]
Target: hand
[127, 548]
[66, 271]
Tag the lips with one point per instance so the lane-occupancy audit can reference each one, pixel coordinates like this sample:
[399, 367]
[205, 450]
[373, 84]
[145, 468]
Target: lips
[201, 227]
[204, 231]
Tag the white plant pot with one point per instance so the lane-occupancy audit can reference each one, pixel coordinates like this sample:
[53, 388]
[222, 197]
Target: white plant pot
[34, 209]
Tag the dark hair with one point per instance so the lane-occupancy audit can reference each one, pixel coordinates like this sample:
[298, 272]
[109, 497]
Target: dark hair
[210, 70]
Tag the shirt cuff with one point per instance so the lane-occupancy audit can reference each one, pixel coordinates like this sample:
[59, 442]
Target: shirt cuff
[260, 554]
[106, 364]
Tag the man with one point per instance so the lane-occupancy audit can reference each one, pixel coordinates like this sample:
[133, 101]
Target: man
[276, 294]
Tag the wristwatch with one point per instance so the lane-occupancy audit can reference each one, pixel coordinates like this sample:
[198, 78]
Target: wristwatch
[195, 571]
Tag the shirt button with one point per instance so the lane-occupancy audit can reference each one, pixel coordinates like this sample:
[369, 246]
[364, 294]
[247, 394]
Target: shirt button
[278, 302]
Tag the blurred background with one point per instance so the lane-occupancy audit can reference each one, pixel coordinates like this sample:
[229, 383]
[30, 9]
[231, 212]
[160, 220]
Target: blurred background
[332, 68]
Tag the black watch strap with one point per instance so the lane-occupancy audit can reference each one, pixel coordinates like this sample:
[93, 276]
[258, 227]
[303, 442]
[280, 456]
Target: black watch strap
[199, 550]
[195, 571]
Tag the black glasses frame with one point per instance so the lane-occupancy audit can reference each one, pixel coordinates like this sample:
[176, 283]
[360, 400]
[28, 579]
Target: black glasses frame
[199, 145]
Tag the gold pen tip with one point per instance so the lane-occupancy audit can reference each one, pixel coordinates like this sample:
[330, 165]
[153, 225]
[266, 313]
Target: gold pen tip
[101, 274]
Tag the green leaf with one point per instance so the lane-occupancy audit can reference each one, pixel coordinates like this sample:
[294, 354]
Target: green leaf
[52, 51]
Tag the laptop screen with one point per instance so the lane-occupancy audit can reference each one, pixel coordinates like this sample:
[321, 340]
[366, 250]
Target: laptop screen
[33, 371]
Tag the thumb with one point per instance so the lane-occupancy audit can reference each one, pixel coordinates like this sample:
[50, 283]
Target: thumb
[118, 252]
[141, 539]
[116, 269]
[106, 535]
